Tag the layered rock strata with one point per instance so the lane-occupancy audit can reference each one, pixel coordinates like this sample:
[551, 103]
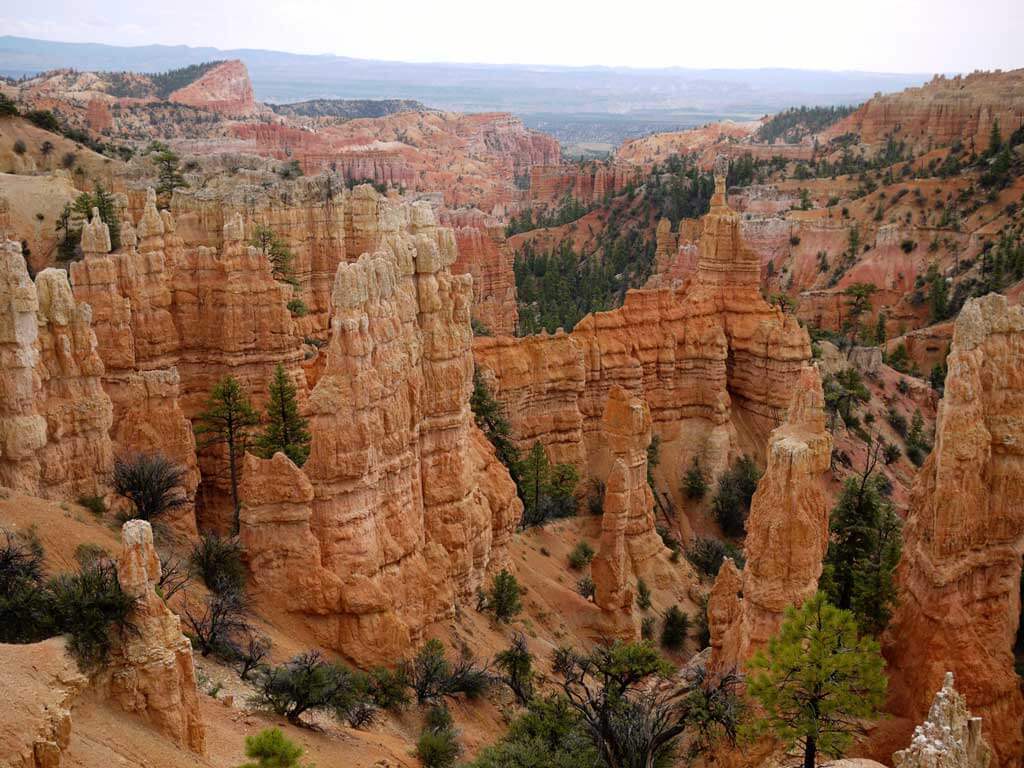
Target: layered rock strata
[628, 538]
[714, 362]
[151, 672]
[960, 570]
[407, 504]
[787, 533]
[54, 414]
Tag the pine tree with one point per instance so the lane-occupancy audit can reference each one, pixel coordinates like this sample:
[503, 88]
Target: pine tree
[103, 201]
[864, 549]
[228, 420]
[68, 236]
[817, 680]
[938, 294]
[286, 430]
[534, 478]
[168, 174]
[880, 335]
[995, 139]
[490, 418]
[277, 253]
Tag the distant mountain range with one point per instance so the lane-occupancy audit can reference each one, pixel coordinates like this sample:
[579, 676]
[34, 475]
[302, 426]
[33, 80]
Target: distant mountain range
[288, 77]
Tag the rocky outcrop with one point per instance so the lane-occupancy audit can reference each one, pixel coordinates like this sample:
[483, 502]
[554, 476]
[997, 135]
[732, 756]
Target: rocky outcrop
[628, 538]
[484, 253]
[943, 111]
[959, 574]
[589, 183]
[407, 503]
[54, 414]
[948, 738]
[151, 671]
[704, 358]
[787, 533]
[224, 88]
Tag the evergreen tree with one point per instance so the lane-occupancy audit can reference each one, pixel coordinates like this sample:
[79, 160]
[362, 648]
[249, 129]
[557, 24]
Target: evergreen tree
[286, 430]
[995, 139]
[490, 418]
[864, 549]
[515, 665]
[228, 420]
[817, 680]
[547, 492]
[103, 201]
[276, 252]
[938, 294]
[880, 335]
[67, 236]
[503, 597]
[168, 173]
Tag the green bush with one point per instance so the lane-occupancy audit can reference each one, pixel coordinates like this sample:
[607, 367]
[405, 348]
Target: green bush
[550, 734]
[503, 597]
[218, 560]
[585, 587]
[308, 683]
[438, 747]
[643, 595]
[581, 556]
[271, 749]
[86, 605]
[694, 484]
[674, 629]
[152, 482]
[706, 555]
[389, 688]
[94, 504]
[432, 676]
[298, 308]
[20, 148]
[736, 488]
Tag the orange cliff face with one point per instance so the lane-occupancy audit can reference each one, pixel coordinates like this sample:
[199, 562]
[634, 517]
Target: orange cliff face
[705, 359]
[587, 183]
[941, 112]
[959, 575]
[225, 89]
[54, 414]
[402, 499]
[787, 533]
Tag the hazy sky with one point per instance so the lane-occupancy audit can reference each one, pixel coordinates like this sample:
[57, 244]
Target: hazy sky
[879, 35]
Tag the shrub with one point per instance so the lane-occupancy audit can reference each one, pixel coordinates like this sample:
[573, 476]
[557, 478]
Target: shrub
[86, 605]
[87, 555]
[298, 308]
[26, 609]
[647, 628]
[389, 688]
[270, 749]
[68, 160]
[674, 629]
[94, 504]
[706, 555]
[736, 487]
[643, 595]
[432, 676]
[581, 556]
[307, 683]
[515, 665]
[897, 420]
[219, 562]
[174, 576]
[503, 597]
[438, 746]
[694, 484]
[20, 148]
[251, 652]
[7, 107]
[891, 453]
[585, 587]
[550, 734]
[595, 497]
[152, 482]
[218, 624]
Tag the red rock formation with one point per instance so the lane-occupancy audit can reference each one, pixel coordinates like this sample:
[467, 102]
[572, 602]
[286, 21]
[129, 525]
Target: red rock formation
[54, 415]
[628, 539]
[225, 89]
[959, 575]
[589, 183]
[702, 358]
[151, 671]
[484, 253]
[787, 533]
[949, 737]
[407, 503]
[98, 117]
[944, 110]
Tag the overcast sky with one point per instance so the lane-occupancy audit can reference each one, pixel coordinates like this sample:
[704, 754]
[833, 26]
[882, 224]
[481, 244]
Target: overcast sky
[877, 35]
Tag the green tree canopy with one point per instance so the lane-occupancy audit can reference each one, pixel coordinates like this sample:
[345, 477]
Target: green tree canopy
[286, 430]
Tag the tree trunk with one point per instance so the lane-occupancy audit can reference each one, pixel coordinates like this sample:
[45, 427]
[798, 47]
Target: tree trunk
[234, 483]
[810, 752]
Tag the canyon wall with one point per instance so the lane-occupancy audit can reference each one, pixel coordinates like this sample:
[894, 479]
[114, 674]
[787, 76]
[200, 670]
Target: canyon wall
[787, 533]
[54, 415]
[714, 362]
[589, 183]
[959, 575]
[943, 111]
[406, 502]
[484, 253]
[224, 89]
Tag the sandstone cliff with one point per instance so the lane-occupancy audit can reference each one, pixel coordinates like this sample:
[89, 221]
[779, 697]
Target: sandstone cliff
[628, 538]
[151, 671]
[959, 575]
[707, 359]
[54, 414]
[404, 498]
[225, 89]
[787, 533]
